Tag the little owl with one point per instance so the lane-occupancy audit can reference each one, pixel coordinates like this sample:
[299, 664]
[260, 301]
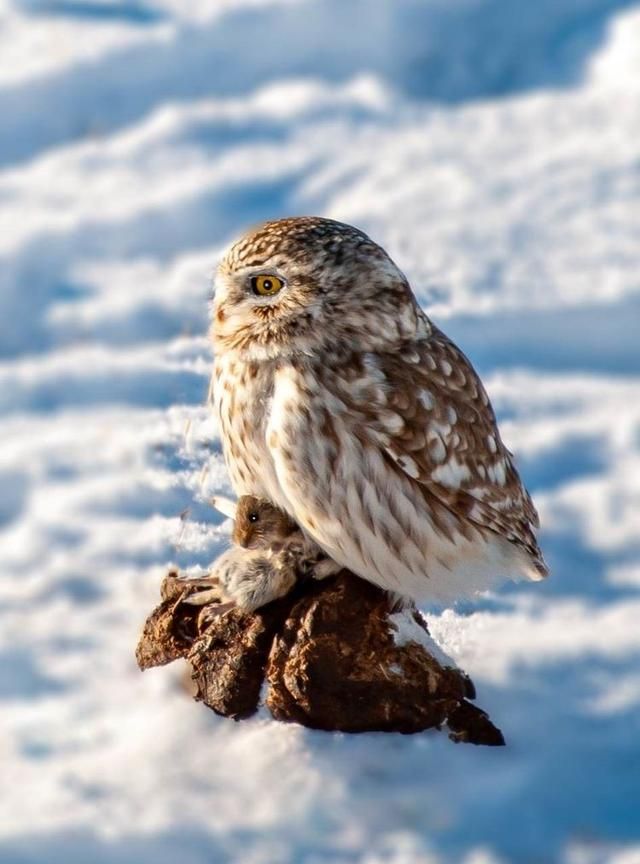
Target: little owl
[341, 403]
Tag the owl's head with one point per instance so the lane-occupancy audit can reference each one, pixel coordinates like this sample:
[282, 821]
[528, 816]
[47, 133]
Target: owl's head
[298, 284]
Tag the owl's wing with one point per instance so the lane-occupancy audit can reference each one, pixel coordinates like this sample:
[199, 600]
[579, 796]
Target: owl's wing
[448, 441]
[393, 464]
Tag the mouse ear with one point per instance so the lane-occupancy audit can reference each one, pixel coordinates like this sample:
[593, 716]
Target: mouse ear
[224, 505]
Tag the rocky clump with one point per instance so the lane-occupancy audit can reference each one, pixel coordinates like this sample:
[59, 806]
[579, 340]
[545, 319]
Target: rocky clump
[331, 654]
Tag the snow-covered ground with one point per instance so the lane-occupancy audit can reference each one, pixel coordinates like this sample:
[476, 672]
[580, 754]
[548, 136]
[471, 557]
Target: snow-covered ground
[493, 147]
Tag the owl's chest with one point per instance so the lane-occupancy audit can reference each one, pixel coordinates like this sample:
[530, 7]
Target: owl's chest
[261, 409]
[242, 395]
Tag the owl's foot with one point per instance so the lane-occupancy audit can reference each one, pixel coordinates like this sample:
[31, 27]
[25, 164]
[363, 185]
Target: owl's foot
[325, 568]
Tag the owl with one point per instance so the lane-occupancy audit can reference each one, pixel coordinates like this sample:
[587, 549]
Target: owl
[341, 402]
[268, 555]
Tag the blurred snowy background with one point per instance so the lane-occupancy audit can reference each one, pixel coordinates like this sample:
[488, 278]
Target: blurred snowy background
[493, 147]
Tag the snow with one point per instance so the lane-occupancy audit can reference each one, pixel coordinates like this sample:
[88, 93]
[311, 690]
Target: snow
[492, 147]
[405, 629]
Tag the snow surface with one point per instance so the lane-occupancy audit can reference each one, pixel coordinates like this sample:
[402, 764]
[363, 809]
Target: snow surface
[405, 629]
[493, 148]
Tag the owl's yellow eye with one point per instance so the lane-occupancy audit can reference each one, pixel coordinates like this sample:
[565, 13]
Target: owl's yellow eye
[267, 285]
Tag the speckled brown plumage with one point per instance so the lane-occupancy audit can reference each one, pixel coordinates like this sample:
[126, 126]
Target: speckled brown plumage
[339, 401]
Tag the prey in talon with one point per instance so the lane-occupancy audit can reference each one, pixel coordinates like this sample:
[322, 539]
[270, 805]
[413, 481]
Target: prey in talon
[269, 553]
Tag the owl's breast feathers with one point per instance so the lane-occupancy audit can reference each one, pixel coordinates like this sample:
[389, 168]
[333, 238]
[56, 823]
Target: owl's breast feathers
[241, 393]
[392, 462]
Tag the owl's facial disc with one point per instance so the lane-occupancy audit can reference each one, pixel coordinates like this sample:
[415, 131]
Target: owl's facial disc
[264, 305]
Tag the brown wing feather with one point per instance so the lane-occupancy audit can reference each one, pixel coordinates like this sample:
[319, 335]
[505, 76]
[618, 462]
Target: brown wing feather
[448, 440]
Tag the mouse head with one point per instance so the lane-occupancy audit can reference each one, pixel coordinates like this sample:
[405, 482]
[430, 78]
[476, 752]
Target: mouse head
[259, 523]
